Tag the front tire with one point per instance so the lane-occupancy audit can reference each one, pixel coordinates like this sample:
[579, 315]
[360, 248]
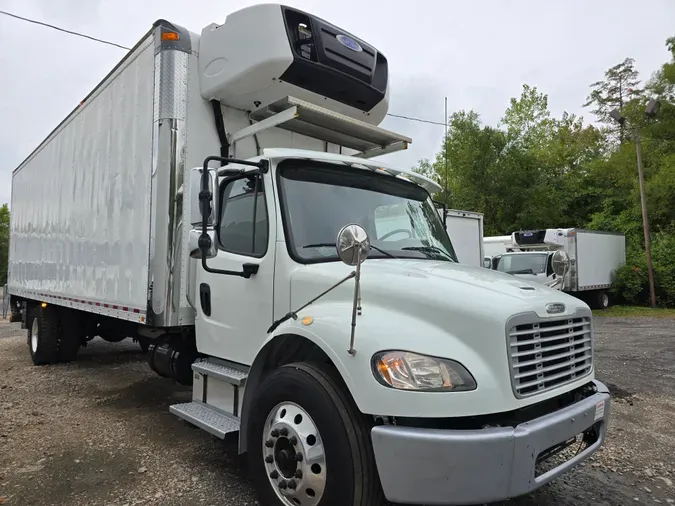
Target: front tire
[43, 335]
[308, 445]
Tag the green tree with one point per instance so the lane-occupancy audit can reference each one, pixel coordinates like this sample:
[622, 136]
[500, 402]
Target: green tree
[620, 86]
[662, 83]
[4, 242]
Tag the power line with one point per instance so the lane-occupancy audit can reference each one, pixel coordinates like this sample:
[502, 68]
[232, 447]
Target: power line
[78, 34]
[409, 118]
[63, 30]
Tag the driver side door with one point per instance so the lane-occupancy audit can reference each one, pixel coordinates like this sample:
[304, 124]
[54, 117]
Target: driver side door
[233, 312]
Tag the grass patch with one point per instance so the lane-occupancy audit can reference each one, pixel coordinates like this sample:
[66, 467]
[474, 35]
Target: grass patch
[635, 312]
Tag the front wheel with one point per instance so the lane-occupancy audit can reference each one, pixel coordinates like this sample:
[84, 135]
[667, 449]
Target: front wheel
[308, 445]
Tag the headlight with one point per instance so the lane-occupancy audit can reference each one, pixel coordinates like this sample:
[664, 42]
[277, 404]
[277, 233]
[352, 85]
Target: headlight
[409, 371]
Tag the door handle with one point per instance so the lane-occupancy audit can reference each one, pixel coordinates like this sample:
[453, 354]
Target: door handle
[205, 298]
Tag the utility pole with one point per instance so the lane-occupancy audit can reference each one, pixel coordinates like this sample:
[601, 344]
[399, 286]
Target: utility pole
[645, 219]
[652, 108]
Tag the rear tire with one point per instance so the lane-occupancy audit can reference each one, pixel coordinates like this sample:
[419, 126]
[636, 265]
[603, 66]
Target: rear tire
[43, 335]
[601, 299]
[332, 422]
[14, 314]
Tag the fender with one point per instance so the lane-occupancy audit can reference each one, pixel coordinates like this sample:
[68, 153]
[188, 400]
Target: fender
[324, 324]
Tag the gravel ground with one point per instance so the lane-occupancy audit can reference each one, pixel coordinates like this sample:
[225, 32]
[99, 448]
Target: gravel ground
[98, 431]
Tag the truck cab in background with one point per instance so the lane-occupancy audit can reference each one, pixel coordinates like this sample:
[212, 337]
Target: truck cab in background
[579, 262]
[355, 360]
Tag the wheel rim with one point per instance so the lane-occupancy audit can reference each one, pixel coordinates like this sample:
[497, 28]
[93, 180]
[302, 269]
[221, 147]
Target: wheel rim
[605, 300]
[34, 335]
[294, 456]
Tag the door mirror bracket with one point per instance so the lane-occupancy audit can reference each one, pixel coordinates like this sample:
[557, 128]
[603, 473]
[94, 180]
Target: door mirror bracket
[205, 242]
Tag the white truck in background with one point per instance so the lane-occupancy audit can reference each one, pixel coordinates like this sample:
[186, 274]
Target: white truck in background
[216, 197]
[588, 260]
[465, 229]
[496, 245]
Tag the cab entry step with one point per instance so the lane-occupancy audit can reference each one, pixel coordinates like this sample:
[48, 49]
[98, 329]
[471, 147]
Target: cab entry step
[206, 417]
[229, 372]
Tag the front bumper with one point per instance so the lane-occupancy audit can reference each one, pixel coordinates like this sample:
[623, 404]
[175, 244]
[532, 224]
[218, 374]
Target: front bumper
[433, 466]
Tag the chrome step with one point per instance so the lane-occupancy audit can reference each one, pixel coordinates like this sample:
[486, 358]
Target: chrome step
[230, 373]
[206, 417]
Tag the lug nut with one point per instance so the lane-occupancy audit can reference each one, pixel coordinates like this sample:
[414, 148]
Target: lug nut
[298, 457]
[269, 459]
[274, 433]
[274, 475]
[283, 484]
[292, 484]
[293, 440]
[284, 432]
[298, 474]
[269, 443]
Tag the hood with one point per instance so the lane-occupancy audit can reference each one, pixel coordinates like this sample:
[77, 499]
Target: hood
[411, 285]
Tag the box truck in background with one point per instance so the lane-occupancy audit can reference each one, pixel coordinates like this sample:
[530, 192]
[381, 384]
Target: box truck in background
[496, 245]
[465, 229]
[589, 258]
[216, 197]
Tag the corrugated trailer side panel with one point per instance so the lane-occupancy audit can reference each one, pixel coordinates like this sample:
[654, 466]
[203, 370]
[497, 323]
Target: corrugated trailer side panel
[80, 222]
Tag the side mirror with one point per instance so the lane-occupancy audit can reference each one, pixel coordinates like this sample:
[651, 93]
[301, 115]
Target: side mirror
[560, 263]
[193, 197]
[353, 244]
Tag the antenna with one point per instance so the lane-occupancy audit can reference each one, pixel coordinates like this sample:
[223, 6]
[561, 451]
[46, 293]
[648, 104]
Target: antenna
[445, 152]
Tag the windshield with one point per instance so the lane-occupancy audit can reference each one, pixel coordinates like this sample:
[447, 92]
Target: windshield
[318, 199]
[523, 263]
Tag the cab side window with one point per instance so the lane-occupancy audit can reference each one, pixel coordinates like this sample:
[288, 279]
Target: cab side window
[243, 226]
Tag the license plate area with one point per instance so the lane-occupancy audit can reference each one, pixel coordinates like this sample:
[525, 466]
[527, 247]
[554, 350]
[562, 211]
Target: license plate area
[558, 454]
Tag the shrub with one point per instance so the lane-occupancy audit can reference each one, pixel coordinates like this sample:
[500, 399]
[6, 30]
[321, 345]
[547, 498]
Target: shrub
[631, 284]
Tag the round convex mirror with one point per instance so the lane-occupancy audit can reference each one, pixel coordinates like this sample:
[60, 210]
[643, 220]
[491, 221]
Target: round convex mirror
[560, 262]
[353, 244]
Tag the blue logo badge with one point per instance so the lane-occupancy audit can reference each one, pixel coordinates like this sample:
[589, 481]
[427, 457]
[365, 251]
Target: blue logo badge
[349, 43]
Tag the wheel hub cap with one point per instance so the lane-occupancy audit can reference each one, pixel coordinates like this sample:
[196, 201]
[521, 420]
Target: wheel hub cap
[294, 456]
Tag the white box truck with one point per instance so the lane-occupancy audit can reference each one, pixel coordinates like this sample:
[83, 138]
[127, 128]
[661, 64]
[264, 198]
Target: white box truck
[589, 259]
[498, 244]
[215, 196]
[465, 229]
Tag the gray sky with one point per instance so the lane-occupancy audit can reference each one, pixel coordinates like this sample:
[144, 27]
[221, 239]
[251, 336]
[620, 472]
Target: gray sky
[478, 53]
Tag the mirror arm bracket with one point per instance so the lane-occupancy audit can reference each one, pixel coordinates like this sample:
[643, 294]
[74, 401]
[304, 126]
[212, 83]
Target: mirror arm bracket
[294, 314]
[205, 199]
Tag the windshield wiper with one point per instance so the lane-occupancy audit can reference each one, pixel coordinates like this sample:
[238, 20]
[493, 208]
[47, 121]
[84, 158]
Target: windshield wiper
[332, 245]
[429, 249]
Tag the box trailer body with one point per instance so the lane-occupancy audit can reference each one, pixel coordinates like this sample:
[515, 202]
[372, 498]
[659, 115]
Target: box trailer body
[593, 256]
[465, 229]
[496, 245]
[217, 198]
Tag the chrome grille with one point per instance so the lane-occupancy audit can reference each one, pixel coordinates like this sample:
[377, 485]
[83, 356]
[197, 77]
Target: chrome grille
[548, 354]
